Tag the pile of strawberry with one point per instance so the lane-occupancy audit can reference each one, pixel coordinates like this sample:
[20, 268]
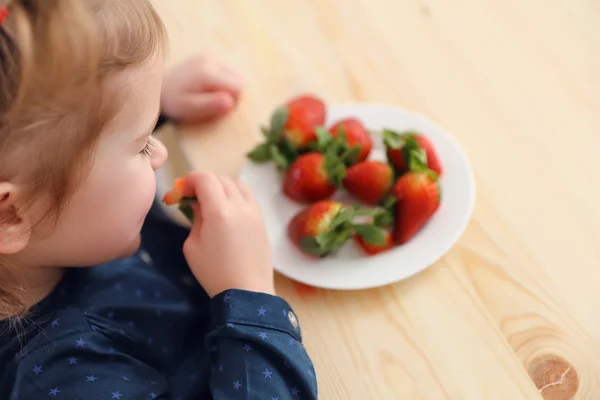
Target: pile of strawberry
[403, 193]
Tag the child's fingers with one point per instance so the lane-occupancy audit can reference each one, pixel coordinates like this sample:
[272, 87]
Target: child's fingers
[200, 106]
[225, 79]
[245, 190]
[207, 188]
[230, 189]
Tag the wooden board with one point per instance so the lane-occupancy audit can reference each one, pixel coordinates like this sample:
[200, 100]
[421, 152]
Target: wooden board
[512, 312]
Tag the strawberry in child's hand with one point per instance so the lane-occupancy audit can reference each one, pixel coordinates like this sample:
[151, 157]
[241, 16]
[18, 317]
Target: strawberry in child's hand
[292, 130]
[369, 181]
[175, 196]
[417, 197]
[407, 149]
[355, 135]
[313, 177]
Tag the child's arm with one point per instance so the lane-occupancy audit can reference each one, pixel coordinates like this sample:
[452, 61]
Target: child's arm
[256, 349]
[254, 342]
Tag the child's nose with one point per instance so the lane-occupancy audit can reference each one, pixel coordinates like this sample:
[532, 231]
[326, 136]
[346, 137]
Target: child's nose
[159, 155]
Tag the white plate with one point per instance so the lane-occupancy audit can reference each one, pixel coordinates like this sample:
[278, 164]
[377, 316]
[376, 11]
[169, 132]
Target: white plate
[350, 268]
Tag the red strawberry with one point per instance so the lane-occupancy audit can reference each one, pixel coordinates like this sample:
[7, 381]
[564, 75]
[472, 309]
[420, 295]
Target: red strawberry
[292, 130]
[417, 197]
[321, 228]
[369, 181]
[356, 135]
[175, 196]
[313, 177]
[403, 150]
[305, 113]
[373, 249]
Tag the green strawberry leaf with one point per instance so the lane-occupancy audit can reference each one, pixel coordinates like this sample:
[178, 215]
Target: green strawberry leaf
[364, 212]
[417, 160]
[392, 139]
[266, 132]
[383, 218]
[389, 202]
[371, 234]
[289, 151]
[324, 139]
[260, 153]
[278, 121]
[339, 239]
[431, 174]
[349, 156]
[335, 169]
[345, 216]
[281, 162]
[312, 246]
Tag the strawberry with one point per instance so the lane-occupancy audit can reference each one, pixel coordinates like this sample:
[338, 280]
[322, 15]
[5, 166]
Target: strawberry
[325, 226]
[292, 131]
[369, 181]
[175, 196]
[355, 135]
[373, 249]
[404, 150]
[313, 177]
[321, 228]
[305, 113]
[417, 197]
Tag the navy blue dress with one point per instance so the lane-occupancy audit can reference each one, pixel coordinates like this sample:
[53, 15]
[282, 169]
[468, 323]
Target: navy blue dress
[143, 329]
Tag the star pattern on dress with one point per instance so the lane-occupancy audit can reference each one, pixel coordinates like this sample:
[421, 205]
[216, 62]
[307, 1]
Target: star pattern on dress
[274, 398]
[116, 395]
[125, 378]
[247, 348]
[226, 297]
[295, 391]
[291, 342]
[284, 312]
[72, 360]
[91, 378]
[221, 368]
[37, 370]
[237, 385]
[80, 342]
[153, 395]
[230, 325]
[263, 335]
[54, 323]
[262, 312]
[54, 392]
[267, 374]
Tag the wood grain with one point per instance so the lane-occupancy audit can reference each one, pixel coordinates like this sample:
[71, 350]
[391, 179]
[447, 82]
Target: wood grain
[512, 311]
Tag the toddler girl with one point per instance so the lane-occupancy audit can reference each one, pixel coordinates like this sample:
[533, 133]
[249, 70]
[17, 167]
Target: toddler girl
[89, 308]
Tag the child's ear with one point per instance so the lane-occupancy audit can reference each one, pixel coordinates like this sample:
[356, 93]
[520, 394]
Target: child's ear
[15, 232]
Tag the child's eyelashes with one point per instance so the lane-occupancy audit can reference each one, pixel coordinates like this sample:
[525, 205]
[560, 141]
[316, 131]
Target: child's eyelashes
[148, 148]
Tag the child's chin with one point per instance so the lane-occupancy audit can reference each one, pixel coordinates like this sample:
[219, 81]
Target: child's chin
[132, 249]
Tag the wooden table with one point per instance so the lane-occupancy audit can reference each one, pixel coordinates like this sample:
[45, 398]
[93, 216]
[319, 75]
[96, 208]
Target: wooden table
[513, 311]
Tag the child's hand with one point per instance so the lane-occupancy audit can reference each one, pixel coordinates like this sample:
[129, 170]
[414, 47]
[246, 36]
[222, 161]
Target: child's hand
[228, 246]
[200, 88]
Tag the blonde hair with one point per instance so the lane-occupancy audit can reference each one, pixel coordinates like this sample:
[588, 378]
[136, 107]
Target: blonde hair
[54, 57]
